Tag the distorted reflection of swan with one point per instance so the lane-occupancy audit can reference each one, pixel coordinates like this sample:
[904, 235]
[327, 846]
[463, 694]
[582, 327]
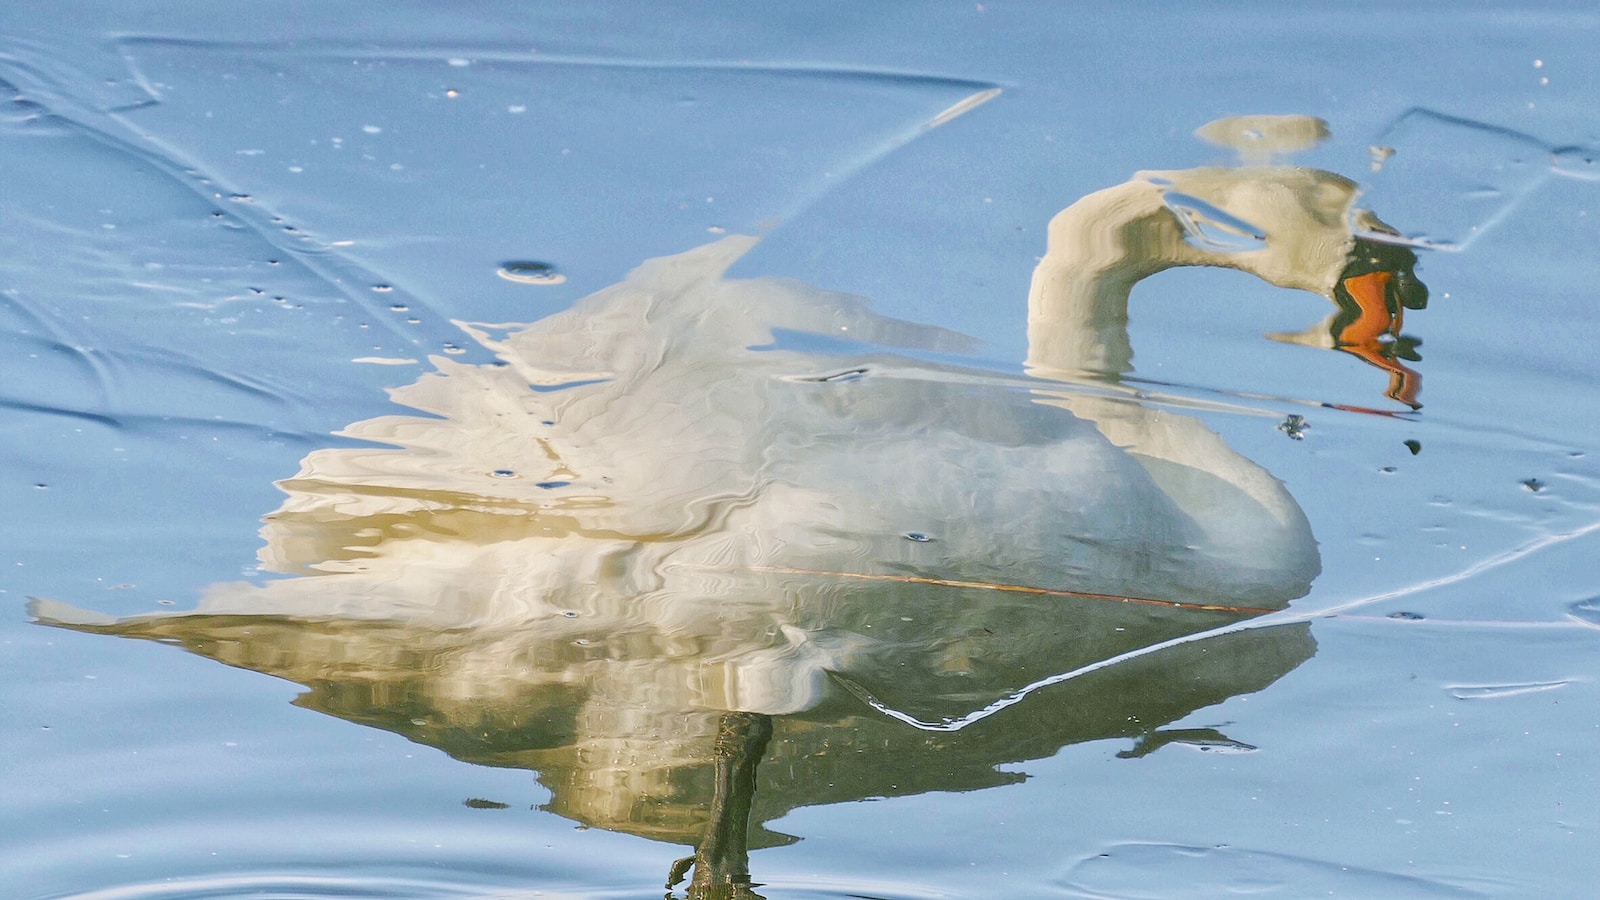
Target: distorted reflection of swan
[655, 535]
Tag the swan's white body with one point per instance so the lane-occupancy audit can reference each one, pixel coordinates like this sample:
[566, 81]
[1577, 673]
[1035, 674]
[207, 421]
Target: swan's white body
[651, 462]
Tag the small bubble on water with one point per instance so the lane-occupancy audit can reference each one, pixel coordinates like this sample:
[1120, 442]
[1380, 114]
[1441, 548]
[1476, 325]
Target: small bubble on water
[1407, 616]
[503, 473]
[399, 307]
[1388, 470]
[372, 129]
[569, 613]
[917, 536]
[531, 272]
[459, 63]
[241, 198]
[41, 486]
[453, 349]
[1533, 484]
[452, 93]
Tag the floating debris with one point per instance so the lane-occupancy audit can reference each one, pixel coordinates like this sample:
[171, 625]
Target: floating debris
[529, 272]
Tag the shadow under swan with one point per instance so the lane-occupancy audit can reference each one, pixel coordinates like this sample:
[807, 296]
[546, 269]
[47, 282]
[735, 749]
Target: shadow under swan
[650, 546]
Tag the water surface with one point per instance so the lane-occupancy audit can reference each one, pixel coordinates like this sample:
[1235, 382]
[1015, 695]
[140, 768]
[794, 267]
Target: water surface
[805, 410]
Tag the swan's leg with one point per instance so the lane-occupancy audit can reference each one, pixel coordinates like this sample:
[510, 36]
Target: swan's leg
[722, 860]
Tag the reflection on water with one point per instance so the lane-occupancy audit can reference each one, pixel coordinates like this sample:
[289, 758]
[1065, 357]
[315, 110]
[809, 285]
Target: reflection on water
[695, 577]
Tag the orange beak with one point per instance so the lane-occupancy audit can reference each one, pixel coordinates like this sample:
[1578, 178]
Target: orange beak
[1373, 336]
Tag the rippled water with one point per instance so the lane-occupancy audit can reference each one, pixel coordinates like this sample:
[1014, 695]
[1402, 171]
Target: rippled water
[855, 453]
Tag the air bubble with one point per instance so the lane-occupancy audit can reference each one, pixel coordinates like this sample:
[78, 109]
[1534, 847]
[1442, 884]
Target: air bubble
[503, 473]
[399, 307]
[453, 349]
[530, 272]
[917, 536]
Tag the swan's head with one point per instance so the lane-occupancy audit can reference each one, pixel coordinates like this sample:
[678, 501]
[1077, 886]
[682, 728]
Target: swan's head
[1293, 227]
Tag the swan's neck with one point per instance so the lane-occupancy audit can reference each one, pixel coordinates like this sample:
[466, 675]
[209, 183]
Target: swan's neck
[1104, 244]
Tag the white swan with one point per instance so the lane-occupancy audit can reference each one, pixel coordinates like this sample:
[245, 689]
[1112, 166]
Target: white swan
[652, 509]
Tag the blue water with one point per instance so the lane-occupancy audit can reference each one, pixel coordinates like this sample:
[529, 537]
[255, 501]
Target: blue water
[260, 362]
